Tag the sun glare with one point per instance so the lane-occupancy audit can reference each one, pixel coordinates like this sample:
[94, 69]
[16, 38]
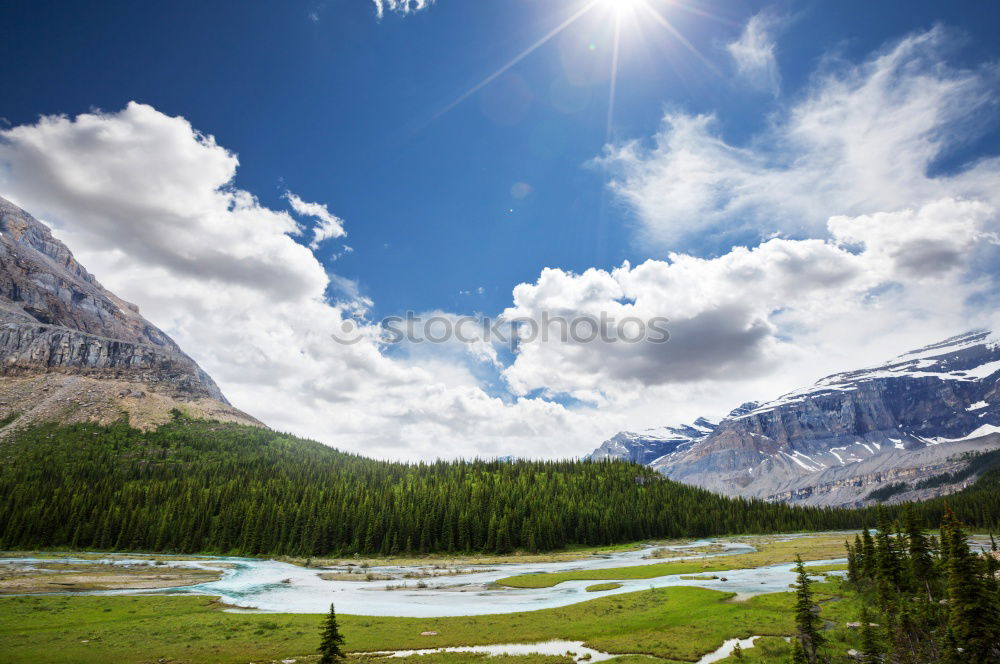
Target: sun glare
[622, 6]
[627, 18]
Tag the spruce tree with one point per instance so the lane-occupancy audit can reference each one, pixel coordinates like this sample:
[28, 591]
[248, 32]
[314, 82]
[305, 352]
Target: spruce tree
[992, 568]
[858, 551]
[806, 621]
[330, 647]
[887, 565]
[921, 566]
[852, 564]
[972, 616]
[871, 650]
[867, 554]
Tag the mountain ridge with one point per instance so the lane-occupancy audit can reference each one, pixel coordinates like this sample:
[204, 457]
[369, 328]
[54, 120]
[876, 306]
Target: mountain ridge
[852, 432]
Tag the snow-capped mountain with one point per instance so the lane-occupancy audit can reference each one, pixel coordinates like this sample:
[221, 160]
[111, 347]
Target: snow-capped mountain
[834, 442]
[653, 446]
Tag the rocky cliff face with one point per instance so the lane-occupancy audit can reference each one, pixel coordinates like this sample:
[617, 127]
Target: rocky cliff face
[835, 442]
[58, 324]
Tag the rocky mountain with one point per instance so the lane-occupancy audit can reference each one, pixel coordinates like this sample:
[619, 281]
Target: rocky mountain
[71, 350]
[919, 416]
[653, 446]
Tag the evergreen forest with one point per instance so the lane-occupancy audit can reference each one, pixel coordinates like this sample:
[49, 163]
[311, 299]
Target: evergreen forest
[198, 486]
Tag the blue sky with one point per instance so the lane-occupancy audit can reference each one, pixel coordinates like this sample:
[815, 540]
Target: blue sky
[451, 206]
[342, 109]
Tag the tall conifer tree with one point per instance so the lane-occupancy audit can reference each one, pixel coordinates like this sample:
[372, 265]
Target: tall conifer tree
[807, 623]
[331, 644]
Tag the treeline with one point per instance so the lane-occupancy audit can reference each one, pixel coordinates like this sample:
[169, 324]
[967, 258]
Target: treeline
[195, 486]
[978, 505]
[932, 600]
[976, 463]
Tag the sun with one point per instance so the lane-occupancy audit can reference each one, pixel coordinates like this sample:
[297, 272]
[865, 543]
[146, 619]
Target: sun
[623, 6]
[627, 16]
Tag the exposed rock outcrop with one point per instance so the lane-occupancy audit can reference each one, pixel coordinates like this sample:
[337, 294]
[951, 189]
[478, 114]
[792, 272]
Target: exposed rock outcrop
[57, 322]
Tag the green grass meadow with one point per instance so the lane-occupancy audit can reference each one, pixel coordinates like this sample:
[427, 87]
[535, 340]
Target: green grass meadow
[678, 624]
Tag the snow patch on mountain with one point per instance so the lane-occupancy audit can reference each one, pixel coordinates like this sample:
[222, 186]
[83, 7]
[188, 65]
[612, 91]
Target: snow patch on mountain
[833, 442]
[652, 446]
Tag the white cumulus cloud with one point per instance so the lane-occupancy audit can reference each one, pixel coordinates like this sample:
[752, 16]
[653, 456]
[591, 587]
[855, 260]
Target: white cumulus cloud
[147, 203]
[739, 316]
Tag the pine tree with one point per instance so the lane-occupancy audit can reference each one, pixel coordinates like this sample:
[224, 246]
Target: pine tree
[871, 650]
[330, 647]
[972, 615]
[852, 564]
[887, 565]
[921, 566]
[738, 652]
[859, 561]
[867, 554]
[992, 568]
[916, 629]
[806, 620]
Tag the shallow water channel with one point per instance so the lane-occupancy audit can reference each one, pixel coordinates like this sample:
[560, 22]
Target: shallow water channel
[576, 649]
[272, 586]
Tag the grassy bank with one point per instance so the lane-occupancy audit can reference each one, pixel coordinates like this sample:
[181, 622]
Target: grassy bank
[601, 587]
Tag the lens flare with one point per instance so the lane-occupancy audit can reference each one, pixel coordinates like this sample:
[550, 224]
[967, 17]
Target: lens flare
[622, 11]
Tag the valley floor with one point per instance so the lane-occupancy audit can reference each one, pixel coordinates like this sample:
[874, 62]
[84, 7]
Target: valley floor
[676, 624]
[662, 625]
